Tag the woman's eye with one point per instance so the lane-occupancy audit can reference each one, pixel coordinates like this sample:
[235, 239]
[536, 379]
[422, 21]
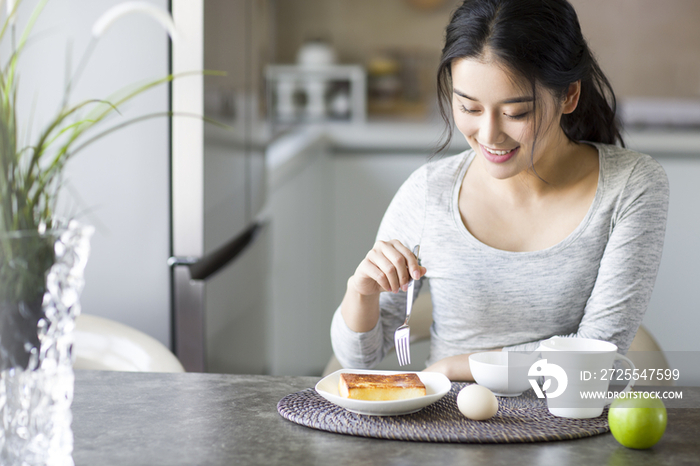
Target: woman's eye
[464, 109]
[520, 116]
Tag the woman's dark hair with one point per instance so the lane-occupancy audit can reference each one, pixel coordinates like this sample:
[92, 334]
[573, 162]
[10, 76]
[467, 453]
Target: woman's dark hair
[541, 41]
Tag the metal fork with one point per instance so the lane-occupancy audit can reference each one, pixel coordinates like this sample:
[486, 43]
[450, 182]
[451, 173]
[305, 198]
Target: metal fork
[402, 336]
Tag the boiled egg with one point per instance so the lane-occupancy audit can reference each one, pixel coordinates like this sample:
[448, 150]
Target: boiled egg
[477, 402]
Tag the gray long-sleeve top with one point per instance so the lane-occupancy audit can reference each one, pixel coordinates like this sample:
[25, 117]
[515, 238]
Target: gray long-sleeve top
[596, 283]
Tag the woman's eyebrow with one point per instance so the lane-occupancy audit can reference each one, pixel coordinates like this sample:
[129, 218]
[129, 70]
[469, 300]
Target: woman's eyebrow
[513, 100]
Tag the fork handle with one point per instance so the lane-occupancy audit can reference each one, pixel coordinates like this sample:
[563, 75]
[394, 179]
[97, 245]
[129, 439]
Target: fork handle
[416, 250]
[411, 287]
[409, 300]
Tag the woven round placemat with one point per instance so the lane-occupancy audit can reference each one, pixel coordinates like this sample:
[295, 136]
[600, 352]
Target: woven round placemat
[518, 420]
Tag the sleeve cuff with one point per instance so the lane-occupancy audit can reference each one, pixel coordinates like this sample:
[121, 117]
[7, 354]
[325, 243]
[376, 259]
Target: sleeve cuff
[355, 349]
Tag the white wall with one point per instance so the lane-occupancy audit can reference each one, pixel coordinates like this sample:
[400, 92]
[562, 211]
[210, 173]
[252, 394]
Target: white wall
[120, 184]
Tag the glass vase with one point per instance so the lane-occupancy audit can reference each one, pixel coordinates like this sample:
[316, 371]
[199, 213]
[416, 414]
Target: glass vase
[41, 278]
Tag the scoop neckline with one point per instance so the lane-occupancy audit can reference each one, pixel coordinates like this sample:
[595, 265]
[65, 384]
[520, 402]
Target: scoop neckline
[469, 156]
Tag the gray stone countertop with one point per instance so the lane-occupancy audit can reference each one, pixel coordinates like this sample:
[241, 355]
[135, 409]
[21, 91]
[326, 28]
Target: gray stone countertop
[123, 418]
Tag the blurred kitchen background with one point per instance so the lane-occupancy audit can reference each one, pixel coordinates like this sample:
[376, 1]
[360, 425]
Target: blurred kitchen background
[331, 105]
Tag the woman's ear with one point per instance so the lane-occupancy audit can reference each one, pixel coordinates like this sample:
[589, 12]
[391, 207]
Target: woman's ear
[571, 98]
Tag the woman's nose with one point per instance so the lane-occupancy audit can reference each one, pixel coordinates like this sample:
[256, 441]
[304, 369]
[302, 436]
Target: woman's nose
[490, 130]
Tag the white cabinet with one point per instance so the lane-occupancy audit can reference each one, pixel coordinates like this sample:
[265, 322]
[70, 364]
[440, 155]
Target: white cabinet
[301, 296]
[673, 316]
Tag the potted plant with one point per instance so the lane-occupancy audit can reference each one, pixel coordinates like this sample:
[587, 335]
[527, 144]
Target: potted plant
[42, 256]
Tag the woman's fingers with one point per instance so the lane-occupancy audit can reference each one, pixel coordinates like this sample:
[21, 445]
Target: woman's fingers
[390, 265]
[370, 279]
[414, 269]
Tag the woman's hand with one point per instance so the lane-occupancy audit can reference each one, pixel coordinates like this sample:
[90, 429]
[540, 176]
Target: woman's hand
[455, 368]
[389, 266]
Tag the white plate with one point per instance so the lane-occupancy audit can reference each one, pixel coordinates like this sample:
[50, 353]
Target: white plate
[436, 386]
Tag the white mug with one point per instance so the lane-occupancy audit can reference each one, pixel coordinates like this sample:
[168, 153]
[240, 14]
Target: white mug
[582, 368]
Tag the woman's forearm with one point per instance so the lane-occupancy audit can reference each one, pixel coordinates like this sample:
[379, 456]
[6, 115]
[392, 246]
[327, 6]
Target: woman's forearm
[389, 266]
[360, 312]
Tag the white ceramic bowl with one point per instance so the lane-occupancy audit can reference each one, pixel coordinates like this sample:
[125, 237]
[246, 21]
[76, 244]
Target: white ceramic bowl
[316, 53]
[502, 372]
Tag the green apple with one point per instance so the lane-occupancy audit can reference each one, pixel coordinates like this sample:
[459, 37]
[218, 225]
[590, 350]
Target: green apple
[637, 422]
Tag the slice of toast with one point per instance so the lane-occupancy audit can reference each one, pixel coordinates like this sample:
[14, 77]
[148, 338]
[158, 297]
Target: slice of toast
[380, 387]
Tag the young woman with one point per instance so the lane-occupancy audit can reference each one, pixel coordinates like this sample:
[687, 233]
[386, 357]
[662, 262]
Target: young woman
[545, 227]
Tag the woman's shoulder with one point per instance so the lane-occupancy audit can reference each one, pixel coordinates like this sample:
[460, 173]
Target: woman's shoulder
[450, 162]
[632, 171]
[623, 163]
[436, 177]
[428, 184]
[443, 169]
[622, 157]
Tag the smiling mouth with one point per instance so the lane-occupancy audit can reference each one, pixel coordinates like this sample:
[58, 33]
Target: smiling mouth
[498, 152]
[498, 156]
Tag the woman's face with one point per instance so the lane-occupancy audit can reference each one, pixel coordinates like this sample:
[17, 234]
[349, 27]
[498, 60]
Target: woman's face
[495, 113]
